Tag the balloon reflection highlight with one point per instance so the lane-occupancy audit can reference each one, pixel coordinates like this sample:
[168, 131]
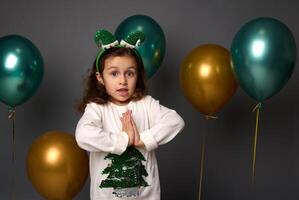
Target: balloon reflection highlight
[258, 48]
[52, 155]
[204, 70]
[11, 61]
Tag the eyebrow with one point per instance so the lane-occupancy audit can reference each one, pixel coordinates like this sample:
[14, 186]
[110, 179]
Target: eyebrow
[114, 67]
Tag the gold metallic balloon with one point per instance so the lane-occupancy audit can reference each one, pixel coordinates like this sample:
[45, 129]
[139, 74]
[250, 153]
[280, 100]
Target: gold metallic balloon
[56, 166]
[207, 79]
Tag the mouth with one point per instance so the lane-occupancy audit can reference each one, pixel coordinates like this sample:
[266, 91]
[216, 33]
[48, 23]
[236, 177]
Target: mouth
[123, 92]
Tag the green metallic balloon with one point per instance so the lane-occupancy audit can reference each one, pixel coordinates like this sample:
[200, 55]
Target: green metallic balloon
[21, 69]
[152, 49]
[263, 55]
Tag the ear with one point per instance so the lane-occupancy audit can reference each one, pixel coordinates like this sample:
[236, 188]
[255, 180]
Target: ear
[100, 78]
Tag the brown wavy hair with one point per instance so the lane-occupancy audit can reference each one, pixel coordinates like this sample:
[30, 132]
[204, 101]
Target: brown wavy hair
[96, 92]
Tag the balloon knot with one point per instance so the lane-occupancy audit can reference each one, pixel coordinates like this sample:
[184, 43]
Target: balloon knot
[207, 117]
[11, 112]
[257, 106]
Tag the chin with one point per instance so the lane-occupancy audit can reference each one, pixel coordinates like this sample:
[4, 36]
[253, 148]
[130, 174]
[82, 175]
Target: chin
[122, 100]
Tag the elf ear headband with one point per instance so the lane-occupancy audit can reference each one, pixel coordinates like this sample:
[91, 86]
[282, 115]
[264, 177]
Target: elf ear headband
[105, 40]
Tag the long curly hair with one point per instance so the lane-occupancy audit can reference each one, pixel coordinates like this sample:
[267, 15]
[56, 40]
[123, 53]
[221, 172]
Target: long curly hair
[96, 92]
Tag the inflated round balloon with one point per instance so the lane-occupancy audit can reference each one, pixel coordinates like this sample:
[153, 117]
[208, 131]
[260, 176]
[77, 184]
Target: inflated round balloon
[21, 69]
[56, 166]
[207, 79]
[263, 55]
[152, 49]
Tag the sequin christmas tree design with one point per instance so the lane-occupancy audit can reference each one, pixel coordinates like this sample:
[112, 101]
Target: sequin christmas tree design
[125, 173]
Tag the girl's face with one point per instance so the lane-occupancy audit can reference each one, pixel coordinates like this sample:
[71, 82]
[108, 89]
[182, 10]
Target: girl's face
[119, 78]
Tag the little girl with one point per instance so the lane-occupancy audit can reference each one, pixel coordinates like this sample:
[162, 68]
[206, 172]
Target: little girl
[121, 125]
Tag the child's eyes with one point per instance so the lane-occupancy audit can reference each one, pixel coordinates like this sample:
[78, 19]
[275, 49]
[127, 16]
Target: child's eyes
[114, 73]
[130, 73]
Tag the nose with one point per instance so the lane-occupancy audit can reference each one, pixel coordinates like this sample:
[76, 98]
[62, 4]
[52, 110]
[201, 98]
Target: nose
[123, 80]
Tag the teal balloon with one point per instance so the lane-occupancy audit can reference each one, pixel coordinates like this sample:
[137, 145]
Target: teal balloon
[263, 56]
[21, 69]
[152, 49]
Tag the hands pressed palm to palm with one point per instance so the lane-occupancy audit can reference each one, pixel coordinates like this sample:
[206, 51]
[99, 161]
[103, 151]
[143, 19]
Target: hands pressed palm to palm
[129, 127]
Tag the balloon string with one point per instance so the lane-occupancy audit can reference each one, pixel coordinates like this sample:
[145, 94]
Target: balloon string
[202, 167]
[11, 116]
[202, 161]
[257, 109]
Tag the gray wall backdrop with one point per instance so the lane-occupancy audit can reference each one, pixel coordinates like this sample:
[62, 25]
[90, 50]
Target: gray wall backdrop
[63, 31]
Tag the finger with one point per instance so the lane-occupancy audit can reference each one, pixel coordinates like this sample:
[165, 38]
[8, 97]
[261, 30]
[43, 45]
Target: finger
[127, 113]
[125, 116]
[132, 121]
[129, 117]
[127, 122]
[135, 129]
[134, 126]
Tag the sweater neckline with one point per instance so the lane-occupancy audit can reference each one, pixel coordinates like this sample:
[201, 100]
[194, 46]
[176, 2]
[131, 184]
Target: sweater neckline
[120, 106]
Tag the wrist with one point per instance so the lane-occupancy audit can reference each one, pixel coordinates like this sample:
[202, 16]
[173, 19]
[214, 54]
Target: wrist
[139, 144]
[131, 140]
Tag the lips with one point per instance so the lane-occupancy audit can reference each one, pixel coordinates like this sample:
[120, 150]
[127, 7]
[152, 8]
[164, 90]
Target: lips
[123, 92]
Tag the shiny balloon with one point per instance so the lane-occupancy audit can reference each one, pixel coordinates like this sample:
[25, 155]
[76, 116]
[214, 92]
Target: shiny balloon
[207, 79]
[21, 69]
[152, 49]
[263, 54]
[56, 166]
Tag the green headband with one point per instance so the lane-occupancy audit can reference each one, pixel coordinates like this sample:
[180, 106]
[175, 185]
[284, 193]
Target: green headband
[105, 40]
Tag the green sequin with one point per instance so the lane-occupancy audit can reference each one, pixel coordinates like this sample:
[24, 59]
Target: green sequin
[132, 38]
[125, 171]
[104, 37]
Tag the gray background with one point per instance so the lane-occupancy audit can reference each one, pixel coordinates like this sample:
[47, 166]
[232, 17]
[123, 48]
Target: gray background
[63, 31]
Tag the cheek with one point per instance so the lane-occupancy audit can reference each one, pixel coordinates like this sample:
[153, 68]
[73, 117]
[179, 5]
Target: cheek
[109, 83]
[134, 82]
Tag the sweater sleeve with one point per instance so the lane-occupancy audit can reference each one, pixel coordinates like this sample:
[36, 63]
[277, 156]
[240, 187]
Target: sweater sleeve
[165, 124]
[90, 135]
